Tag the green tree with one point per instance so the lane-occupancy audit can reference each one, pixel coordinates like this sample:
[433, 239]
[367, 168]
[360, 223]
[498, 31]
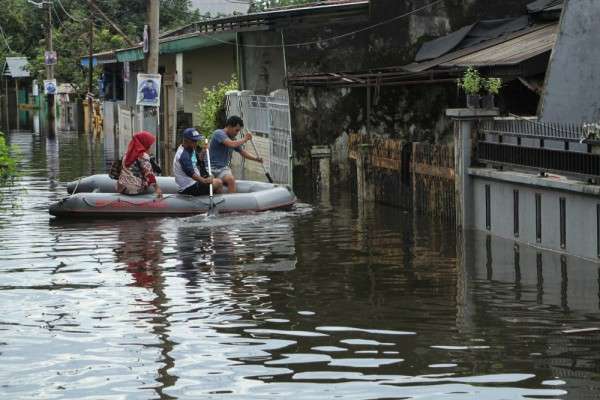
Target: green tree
[24, 28]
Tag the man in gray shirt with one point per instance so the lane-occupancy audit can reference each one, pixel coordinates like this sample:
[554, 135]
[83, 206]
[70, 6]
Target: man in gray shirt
[222, 145]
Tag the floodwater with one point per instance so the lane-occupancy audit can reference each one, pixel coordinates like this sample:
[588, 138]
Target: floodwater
[326, 301]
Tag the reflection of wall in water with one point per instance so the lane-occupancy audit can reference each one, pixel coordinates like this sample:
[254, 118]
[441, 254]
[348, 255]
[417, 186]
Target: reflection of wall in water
[528, 295]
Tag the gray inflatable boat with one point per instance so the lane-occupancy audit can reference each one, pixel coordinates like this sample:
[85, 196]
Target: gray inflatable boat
[96, 196]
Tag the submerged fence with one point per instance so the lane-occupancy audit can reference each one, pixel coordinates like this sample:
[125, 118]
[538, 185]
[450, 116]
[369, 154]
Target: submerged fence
[268, 117]
[401, 173]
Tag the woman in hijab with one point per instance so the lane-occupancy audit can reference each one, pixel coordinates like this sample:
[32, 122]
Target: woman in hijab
[137, 174]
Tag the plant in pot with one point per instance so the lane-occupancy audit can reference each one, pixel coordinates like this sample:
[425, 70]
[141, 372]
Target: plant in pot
[471, 83]
[492, 88]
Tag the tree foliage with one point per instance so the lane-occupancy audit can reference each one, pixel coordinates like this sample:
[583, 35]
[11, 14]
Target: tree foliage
[24, 26]
[212, 106]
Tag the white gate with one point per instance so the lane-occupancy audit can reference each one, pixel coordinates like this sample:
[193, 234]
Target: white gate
[269, 117]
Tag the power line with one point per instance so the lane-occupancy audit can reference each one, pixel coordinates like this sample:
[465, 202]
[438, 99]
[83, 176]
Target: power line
[5, 39]
[301, 44]
[69, 15]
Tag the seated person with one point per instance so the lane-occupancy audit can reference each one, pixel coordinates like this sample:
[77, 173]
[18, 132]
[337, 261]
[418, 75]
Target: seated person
[188, 177]
[136, 171]
[222, 145]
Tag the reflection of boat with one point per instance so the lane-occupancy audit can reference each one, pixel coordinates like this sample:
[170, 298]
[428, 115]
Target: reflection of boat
[95, 196]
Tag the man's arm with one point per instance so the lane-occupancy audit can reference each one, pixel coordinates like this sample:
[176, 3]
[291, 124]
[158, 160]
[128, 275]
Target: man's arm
[249, 156]
[233, 144]
[188, 168]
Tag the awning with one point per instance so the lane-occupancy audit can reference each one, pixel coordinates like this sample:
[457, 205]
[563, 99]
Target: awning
[504, 51]
[107, 57]
[179, 44]
[16, 67]
[511, 52]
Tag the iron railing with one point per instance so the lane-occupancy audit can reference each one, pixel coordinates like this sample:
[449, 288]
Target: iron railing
[545, 147]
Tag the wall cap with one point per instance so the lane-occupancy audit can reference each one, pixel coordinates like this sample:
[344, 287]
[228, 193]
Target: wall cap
[471, 113]
[549, 182]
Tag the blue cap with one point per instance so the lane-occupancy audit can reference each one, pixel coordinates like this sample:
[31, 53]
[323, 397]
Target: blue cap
[192, 134]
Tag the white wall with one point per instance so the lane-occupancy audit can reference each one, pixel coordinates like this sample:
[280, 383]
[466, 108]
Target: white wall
[207, 66]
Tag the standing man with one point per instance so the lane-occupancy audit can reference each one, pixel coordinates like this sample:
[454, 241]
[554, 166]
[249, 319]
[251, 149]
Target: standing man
[186, 171]
[222, 146]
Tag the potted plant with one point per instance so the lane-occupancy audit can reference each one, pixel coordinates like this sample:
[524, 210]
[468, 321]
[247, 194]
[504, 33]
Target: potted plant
[471, 83]
[592, 137]
[492, 88]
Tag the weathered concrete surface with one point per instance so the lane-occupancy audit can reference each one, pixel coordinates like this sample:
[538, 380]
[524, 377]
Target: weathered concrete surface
[581, 216]
[262, 69]
[573, 80]
[321, 115]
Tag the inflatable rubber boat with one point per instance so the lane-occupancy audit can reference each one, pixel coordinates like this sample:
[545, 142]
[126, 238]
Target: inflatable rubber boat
[96, 196]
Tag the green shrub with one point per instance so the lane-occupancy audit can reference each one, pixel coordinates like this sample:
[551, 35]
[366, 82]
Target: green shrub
[8, 160]
[212, 106]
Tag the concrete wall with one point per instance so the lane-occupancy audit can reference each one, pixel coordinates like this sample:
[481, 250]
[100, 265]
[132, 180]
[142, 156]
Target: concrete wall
[262, 68]
[320, 116]
[581, 200]
[573, 82]
[206, 67]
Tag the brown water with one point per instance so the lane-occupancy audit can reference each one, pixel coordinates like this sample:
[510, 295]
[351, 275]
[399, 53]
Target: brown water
[327, 301]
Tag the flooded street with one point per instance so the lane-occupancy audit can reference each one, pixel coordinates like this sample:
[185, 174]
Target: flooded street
[325, 301]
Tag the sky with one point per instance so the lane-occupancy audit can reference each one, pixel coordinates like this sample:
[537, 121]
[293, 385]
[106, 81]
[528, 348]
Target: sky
[224, 6]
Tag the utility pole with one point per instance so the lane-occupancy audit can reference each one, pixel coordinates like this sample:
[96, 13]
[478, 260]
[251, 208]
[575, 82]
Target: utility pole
[91, 74]
[50, 71]
[153, 33]
[152, 60]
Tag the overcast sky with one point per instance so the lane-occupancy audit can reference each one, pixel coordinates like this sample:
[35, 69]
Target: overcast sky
[224, 6]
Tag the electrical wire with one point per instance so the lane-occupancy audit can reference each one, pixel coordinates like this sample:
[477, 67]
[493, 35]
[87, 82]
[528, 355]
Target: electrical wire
[5, 39]
[315, 42]
[69, 15]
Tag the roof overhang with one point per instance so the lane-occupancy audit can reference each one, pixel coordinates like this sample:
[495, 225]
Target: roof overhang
[16, 67]
[332, 11]
[179, 44]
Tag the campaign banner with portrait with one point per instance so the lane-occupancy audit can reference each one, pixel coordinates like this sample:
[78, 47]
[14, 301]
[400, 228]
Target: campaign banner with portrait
[50, 58]
[50, 86]
[148, 90]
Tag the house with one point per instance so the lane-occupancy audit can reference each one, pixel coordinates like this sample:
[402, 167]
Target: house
[16, 87]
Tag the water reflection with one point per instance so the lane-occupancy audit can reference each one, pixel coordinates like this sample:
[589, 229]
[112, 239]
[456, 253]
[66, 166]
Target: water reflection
[325, 301]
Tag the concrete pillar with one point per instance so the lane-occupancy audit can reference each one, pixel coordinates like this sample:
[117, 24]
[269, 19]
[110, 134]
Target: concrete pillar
[465, 139]
[364, 190]
[321, 157]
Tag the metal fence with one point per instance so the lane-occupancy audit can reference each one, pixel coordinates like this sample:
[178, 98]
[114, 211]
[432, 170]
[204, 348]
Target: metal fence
[546, 147]
[269, 118]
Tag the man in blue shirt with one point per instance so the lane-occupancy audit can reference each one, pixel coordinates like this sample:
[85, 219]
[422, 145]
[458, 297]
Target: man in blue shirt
[185, 168]
[148, 92]
[221, 147]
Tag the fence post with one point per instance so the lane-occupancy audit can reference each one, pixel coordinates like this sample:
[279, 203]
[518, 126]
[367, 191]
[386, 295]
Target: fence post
[465, 139]
[365, 193]
[321, 156]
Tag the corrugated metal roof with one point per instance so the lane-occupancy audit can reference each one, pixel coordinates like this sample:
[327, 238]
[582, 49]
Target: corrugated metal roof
[16, 67]
[510, 52]
[527, 43]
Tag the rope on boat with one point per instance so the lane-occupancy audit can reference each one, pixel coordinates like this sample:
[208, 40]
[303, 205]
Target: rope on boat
[124, 201]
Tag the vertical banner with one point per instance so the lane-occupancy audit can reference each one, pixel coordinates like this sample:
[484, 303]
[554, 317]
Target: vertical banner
[126, 71]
